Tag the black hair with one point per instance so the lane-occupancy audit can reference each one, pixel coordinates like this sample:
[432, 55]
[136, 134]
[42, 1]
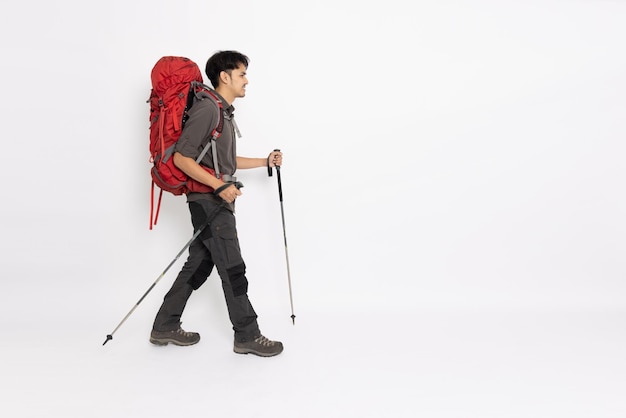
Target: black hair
[223, 61]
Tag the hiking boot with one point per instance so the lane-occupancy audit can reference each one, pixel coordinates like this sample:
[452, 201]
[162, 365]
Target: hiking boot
[260, 346]
[178, 336]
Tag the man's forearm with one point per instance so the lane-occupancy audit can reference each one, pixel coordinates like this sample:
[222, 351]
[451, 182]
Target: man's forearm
[246, 162]
[190, 167]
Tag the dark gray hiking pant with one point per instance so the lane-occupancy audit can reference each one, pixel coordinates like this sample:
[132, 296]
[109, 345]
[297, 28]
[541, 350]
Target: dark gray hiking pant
[216, 246]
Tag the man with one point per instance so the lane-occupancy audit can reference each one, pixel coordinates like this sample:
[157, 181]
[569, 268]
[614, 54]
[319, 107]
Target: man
[217, 245]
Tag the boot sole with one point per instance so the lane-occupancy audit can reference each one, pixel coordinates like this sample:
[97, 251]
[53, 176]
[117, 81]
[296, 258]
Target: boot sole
[166, 341]
[257, 353]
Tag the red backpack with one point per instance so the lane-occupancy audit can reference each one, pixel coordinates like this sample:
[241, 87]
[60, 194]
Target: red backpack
[176, 84]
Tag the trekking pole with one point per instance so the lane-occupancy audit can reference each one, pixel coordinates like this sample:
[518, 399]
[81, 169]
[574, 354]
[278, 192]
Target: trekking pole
[282, 212]
[195, 235]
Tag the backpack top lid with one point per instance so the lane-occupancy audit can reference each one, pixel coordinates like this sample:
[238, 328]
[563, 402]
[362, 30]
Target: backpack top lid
[173, 72]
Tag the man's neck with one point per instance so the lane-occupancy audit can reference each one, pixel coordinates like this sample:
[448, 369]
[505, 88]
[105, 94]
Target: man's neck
[229, 97]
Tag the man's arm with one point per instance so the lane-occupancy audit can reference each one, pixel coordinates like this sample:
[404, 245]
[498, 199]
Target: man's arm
[190, 167]
[275, 158]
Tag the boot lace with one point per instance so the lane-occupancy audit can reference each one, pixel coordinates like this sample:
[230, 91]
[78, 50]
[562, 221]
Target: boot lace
[264, 341]
[183, 332]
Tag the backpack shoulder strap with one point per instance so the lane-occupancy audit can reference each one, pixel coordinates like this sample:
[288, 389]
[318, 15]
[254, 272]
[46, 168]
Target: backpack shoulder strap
[202, 91]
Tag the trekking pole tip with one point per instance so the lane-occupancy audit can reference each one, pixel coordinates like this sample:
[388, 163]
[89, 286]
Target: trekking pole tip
[109, 337]
[293, 319]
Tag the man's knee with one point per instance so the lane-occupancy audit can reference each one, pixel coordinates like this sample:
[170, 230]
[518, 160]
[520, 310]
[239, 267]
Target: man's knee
[238, 280]
[200, 274]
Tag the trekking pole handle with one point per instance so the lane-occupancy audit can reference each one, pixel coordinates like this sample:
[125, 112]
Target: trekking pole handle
[280, 186]
[269, 168]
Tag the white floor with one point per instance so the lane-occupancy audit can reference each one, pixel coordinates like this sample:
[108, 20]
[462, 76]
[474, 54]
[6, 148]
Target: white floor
[420, 363]
[495, 148]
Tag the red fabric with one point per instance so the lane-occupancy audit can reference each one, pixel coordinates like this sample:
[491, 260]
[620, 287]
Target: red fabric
[171, 82]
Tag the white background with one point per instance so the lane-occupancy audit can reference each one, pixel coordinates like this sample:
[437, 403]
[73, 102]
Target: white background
[453, 196]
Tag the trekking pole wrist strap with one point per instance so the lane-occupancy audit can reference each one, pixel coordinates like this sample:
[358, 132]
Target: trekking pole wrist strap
[221, 188]
[224, 186]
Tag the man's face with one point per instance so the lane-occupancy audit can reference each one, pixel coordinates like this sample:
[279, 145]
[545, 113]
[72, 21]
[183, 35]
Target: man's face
[237, 81]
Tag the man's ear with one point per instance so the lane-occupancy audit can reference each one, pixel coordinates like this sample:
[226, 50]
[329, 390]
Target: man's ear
[224, 77]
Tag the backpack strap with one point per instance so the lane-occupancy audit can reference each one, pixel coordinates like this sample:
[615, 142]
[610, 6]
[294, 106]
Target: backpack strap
[217, 131]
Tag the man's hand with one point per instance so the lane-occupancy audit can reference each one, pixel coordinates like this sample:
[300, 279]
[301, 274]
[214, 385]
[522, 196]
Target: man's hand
[228, 192]
[275, 159]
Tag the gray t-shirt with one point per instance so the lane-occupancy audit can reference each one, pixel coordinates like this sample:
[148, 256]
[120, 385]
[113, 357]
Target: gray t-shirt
[203, 118]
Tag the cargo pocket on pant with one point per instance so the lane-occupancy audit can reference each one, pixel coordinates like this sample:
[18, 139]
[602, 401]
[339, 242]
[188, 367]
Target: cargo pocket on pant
[235, 267]
[228, 241]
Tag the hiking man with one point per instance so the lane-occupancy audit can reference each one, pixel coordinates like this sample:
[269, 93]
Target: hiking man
[217, 245]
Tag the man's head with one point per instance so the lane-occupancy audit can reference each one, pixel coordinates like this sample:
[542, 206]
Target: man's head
[226, 71]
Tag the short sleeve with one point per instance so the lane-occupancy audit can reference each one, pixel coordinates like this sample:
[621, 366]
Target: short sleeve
[203, 117]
